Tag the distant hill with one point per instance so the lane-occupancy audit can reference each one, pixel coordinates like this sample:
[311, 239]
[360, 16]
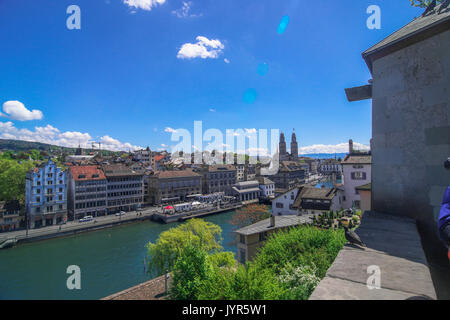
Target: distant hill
[20, 146]
[324, 155]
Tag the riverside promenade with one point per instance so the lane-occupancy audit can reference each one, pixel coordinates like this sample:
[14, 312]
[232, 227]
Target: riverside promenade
[75, 227]
[182, 216]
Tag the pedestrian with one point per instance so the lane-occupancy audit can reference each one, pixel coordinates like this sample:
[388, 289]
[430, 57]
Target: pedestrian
[444, 221]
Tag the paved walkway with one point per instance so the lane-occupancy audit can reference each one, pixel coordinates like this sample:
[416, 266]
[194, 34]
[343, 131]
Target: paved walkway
[75, 225]
[393, 244]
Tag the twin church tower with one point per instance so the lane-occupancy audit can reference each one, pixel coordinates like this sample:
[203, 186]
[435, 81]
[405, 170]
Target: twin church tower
[284, 155]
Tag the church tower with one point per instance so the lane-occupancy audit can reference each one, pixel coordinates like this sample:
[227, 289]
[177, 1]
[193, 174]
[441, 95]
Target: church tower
[282, 145]
[79, 151]
[294, 147]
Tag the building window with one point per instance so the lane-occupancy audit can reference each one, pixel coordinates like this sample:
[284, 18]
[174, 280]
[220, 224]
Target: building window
[356, 191]
[357, 204]
[262, 236]
[358, 175]
[242, 239]
[279, 205]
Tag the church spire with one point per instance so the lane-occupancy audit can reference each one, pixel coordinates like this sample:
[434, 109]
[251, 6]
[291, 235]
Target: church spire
[282, 145]
[294, 146]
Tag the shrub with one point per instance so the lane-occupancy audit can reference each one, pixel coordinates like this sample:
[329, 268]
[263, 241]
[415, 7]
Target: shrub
[303, 245]
[300, 281]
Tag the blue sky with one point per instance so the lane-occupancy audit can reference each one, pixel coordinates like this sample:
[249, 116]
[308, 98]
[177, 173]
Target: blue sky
[129, 72]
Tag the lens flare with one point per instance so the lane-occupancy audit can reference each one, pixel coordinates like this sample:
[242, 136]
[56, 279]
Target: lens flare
[263, 68]
[250, 96]
[283, 24]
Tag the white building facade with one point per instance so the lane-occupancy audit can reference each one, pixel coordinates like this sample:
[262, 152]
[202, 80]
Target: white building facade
[357, 171]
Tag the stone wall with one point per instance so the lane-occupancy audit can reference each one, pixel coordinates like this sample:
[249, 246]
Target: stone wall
[411, 130]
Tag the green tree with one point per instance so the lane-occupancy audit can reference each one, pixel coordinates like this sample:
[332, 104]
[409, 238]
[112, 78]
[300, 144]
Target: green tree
[222, 259]
[163, 254]
[12, 179]
[422, 3]
[190, 271]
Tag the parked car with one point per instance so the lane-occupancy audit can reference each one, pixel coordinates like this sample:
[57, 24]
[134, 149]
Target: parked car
[121, 213]
[86, 219]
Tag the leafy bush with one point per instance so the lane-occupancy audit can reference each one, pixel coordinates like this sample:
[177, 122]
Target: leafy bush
[300, 281]
[288, 266]
[303, 245]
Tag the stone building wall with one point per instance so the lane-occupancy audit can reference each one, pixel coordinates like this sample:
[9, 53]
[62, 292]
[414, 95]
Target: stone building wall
[411, 130]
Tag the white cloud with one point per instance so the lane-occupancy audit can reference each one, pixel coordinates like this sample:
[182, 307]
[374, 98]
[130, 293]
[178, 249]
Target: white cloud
[163, 145]
[170, 130]
[226, 60]
[15, 110]
[212, 110]
[144, 4]
[52, 135]
[338, 148]
[184, 11]
[204, 48]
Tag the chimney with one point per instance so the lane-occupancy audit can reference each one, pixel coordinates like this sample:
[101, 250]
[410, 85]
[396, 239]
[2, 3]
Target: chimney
[272, 221]
[350, 146]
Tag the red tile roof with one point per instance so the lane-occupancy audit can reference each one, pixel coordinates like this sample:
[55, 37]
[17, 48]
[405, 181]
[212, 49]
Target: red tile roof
[84, 173]
[159, 157]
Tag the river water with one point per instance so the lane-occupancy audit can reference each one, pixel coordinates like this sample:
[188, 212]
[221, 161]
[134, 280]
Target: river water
[110, 260]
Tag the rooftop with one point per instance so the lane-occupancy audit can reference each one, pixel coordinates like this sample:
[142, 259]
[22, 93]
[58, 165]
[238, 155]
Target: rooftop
[433, 21]
[227, 167]
[280, 222]
[357, 159]
[290, 166]
[176, 174]
[264, 180]
[246, 190]
[366, 187]
[314, 194]
[9, 206]
[247, 183]
[151, 290]
[85, 173]
[117, 170]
